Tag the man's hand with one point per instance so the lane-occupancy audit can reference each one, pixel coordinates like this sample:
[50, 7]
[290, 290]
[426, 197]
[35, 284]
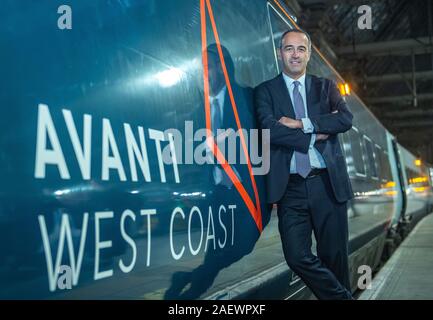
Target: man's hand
[291, 123]
[297, 124]
[321, 136]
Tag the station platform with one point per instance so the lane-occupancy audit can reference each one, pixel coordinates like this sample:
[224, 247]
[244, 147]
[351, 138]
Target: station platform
[407, 275]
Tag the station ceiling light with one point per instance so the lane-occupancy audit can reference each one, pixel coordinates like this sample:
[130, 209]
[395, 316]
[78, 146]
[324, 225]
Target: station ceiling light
[344, 89]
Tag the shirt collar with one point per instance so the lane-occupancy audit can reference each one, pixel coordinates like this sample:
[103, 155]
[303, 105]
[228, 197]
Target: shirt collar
[289, 81]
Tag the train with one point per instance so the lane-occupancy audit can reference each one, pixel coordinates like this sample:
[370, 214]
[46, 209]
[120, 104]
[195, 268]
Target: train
[108, 188]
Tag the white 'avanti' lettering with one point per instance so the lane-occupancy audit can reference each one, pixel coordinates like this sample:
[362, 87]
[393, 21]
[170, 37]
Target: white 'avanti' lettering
[49, 150]
[108, 162]
[158, 136]
[137, 153]
[81, 153]
[173, 156]
[44, 155]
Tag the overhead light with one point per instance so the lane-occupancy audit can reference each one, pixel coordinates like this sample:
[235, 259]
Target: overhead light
[347, 88]
[418, 162]
[344, 89]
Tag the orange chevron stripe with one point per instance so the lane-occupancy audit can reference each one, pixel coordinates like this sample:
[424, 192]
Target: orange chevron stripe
[286, 14]
[255, 211]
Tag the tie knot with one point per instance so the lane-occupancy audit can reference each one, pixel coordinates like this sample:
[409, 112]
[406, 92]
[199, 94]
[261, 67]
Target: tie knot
[296, 84]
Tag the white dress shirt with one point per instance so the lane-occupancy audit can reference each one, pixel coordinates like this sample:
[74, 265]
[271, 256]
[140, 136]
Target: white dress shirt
[316, 159]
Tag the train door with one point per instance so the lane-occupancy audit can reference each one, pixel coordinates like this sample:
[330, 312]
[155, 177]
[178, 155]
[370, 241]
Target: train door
[397, 180]
[400, 182]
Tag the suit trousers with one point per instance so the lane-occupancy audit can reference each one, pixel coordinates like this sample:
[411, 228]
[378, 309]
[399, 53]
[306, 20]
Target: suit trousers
[309, 205]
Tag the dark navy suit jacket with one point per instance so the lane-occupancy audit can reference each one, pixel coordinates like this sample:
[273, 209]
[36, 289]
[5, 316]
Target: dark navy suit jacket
[272, 101]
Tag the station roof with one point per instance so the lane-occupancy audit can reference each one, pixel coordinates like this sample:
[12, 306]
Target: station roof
[390, 66]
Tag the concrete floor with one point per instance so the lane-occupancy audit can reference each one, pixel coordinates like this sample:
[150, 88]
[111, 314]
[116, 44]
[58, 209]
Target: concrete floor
[408, 275]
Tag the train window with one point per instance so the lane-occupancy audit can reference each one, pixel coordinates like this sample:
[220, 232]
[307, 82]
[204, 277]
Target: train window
[386, 169]
[417, 179]
[371, 157]
[343, 139]
[317, 67]
[357, 153]
[347, 150]
[379, 152]
[278, 25]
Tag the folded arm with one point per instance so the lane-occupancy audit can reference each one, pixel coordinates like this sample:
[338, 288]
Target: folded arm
[339, 120]
[280, 134]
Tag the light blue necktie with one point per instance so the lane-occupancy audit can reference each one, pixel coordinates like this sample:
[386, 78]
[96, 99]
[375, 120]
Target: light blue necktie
[303, 166]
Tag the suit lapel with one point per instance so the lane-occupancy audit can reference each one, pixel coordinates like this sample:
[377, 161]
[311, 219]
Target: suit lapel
[285, 104]
[313, 91]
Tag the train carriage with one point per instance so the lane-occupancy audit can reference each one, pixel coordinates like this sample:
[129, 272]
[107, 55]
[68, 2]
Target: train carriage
[101, 192]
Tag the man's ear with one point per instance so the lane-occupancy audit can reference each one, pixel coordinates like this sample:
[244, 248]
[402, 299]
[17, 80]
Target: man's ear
[279, 54]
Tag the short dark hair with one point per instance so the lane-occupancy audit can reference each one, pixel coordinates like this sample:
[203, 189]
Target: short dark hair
[297, 31]
[212, 50]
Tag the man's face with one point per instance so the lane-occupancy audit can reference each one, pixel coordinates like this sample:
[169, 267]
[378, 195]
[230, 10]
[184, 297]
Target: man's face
[295, 54]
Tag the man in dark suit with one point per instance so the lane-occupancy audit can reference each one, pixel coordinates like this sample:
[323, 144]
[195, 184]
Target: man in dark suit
[308, 177]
